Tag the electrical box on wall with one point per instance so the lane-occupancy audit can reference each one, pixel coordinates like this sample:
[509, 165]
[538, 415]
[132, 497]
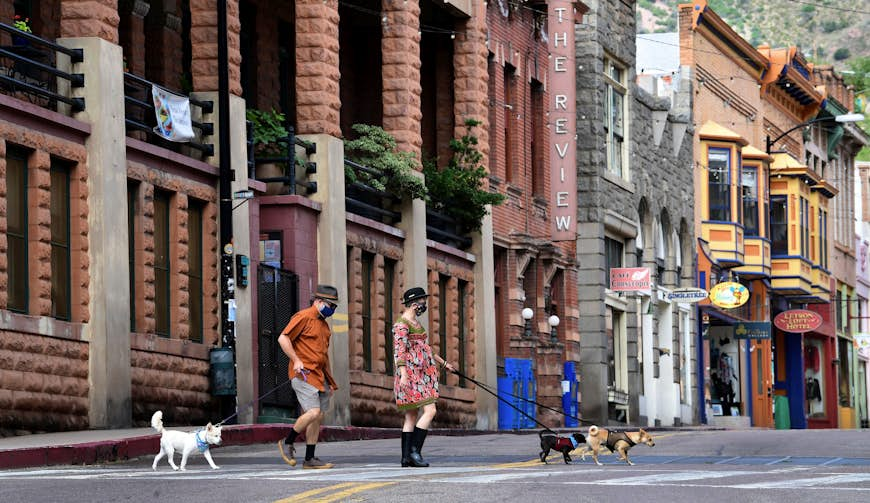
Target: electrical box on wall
[242, 263]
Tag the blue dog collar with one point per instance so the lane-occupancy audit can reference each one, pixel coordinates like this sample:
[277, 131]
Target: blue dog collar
[201, 444]
[573, 441]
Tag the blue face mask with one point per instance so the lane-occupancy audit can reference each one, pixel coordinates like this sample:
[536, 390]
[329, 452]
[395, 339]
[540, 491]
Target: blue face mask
[326, 310]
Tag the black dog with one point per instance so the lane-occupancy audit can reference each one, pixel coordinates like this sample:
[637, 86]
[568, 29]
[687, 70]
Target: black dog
[551, 441]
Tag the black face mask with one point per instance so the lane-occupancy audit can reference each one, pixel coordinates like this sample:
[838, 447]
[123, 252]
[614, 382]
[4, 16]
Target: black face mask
[419, 309]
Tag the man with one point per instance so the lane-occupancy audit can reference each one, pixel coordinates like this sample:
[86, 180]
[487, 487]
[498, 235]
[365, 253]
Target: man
[305, 340]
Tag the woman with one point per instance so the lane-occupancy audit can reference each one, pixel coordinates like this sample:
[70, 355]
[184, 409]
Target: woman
[416, 381]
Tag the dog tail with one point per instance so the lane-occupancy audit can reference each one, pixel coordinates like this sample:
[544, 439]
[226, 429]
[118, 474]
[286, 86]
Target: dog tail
[157, 421]
[593, 431]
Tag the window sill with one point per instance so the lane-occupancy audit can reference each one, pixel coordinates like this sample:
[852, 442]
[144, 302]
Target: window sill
[156, 344]
[619, 182]
[41, 325]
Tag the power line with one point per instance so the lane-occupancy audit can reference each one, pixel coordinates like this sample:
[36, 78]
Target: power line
[831, 7]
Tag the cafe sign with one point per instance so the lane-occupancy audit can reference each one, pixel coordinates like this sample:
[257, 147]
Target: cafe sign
[798, 321]
[629, 279]
[688, 295]
[729, 294]
[752, 330]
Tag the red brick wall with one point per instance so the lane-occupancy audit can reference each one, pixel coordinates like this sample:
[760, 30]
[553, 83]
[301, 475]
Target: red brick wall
[317, 100]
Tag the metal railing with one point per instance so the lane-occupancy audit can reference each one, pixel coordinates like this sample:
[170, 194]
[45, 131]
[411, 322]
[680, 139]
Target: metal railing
[28, 70]
[139, 115]
[445, 230]
[288, 162]
[364, 200]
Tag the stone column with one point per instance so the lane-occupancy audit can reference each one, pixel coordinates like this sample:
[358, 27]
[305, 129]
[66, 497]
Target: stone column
[332, 262]
[318, 102]
[86, 18]
[471, 102]
[109, 326]
[400, 46]
[203, 32]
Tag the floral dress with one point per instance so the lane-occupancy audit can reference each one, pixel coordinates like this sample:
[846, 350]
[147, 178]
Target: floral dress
[411, 350]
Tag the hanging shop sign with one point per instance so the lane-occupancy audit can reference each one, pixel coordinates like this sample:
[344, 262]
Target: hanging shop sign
[752, 330]
[629, 279]
[798, 321]
[729, 294]
[562, 121]
[687, 295]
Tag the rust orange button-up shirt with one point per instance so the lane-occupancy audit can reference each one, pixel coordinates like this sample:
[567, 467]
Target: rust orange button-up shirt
[309, 333]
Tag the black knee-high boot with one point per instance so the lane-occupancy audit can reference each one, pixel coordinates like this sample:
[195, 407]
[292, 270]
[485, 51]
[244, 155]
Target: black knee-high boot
[406, 448]
[419, 436]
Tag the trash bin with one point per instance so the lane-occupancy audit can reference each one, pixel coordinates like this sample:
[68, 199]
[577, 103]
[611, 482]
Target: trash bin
[569, 395]
[517, 385]
[781, 417]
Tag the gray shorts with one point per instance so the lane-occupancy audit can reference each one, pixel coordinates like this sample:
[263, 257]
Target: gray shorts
[310, 397]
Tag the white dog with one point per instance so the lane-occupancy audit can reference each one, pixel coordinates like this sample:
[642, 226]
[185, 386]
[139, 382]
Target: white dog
[186, 442]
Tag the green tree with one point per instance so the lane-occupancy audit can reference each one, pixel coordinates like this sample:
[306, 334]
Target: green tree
[457, 190]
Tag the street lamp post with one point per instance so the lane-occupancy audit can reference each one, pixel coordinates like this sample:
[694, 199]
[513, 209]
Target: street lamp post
[840, 118]
[527, 314]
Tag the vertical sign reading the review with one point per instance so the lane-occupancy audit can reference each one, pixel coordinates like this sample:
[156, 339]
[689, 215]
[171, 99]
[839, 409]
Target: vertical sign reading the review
[562, 121]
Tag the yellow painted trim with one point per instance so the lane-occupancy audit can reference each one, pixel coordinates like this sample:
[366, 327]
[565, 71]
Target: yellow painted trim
[341, 494]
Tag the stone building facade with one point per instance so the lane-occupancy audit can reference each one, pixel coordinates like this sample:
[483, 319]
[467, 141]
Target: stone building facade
[635, 209]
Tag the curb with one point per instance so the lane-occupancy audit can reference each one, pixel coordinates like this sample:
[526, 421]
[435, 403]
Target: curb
[108, 451]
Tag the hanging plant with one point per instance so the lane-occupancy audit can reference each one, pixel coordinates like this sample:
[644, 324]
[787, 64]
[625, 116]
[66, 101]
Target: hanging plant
[377, 149]
[457, 190]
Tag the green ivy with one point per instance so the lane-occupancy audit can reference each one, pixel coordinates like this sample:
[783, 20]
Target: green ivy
[458, 190]
[268, 130]
[377, 149]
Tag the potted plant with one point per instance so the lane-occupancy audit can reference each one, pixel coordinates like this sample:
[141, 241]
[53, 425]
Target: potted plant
[23, 24]
[394, 171]
[269, 138]
[457, 190]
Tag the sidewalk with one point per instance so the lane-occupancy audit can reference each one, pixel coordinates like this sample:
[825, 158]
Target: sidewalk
[104, 446]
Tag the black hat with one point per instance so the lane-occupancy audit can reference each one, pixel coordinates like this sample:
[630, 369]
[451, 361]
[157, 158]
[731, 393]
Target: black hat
[413, 294]
[327, 293]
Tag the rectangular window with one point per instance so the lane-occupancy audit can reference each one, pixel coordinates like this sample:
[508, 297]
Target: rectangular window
[463, 324]
[719, 184]
[16, 231]
[132, 212]
[161, 263]
[368, 262]
[442, 322]
[194, 272]
[389, 315]
[823, 238]
[613, 253]
[779, 225]
[538, 139]
[509, 121]
[749, 185]
[805, 227]
[61, 304]
[614, 117]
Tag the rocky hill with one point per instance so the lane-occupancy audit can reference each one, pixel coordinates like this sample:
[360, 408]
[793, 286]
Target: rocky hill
[827, 31]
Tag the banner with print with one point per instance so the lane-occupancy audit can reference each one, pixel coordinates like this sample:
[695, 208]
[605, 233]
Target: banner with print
[173, 115]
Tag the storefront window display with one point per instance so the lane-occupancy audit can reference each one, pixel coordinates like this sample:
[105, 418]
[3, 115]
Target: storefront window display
[724, 372]
[814, 355]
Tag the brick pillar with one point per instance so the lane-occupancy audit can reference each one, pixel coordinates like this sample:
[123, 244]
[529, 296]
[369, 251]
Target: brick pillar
[89, 18]
[179, 296]
[685, 20]
[203, 33]
[39, 232]
[401, 74]
[471, 78]
[318, 103]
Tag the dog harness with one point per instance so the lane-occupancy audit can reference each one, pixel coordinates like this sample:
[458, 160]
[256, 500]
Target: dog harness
[565, 442]
[615, 436]
[201, 443]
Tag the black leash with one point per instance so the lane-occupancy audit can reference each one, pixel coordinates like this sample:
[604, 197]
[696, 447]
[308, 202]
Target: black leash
[252, 402]
[488, 389]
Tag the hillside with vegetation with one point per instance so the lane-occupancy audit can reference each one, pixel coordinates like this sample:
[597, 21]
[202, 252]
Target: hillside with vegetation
[827, 31]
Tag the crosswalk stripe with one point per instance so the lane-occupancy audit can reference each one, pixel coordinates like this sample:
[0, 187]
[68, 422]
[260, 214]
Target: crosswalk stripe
[842, 478]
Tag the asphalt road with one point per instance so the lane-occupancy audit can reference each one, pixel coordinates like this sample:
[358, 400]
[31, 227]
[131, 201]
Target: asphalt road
[708, 466]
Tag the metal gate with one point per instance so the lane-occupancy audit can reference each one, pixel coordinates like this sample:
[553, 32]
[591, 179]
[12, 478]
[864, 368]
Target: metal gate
[278, 301]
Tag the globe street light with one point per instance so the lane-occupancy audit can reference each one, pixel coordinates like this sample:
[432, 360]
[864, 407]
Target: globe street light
[527, 314]
[553, 320]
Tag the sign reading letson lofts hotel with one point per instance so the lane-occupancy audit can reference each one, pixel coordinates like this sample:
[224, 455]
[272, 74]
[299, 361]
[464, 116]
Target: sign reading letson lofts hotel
[562, 121]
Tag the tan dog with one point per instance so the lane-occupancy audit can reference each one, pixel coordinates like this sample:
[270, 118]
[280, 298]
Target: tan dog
[618, 442]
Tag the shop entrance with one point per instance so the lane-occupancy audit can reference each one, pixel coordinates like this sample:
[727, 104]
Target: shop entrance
[761, 361]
